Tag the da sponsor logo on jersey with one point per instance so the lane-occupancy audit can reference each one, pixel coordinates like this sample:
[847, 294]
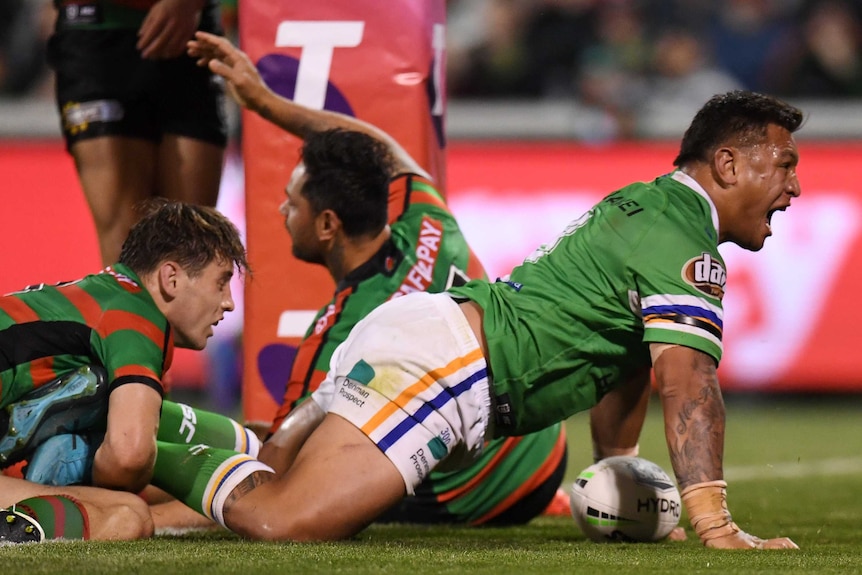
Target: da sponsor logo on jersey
[706, 274]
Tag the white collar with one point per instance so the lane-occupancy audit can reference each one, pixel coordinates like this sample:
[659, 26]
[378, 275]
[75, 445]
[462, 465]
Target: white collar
[687, 180]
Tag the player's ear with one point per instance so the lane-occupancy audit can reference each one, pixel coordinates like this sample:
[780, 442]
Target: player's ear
[168, 276]
[725, 165]
[327, 224]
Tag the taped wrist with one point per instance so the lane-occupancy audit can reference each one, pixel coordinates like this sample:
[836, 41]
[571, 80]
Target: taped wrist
[706, 504]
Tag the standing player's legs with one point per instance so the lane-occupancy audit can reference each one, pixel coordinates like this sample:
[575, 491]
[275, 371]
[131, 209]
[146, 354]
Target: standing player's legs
[189, 170]
[116, 173]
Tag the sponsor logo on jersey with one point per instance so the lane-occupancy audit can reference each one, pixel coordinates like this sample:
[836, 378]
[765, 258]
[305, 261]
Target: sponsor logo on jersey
[421, 275]
[326, 320]
[706, 274]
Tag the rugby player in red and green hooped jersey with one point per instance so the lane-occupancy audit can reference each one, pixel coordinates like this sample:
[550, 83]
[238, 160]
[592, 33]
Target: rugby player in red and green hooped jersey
[90, 355]
[358, 204]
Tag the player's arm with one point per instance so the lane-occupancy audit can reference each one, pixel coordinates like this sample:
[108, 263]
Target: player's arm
[127, 455]
[167, 27]
[694, 419]
[279, 451]
[250, 91]
[617, 420]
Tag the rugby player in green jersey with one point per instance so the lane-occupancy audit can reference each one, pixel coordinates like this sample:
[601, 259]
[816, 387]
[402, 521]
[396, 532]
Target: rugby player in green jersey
[86, 359]
[359, 205]
[633, 286]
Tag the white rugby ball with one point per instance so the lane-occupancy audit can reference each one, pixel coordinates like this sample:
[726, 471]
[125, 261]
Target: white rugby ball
[625, 499]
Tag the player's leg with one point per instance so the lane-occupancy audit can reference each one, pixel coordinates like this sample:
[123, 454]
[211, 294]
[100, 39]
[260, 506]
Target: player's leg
[78, 512]
[189, 170]
[512, 482]
[116, 173]
[108, 123]
[339, 483]
[194, 132]
[183, 424]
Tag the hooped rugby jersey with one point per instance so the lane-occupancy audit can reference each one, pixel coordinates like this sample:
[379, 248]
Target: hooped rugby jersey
[426, 252]
[575, 319]
[106, 319]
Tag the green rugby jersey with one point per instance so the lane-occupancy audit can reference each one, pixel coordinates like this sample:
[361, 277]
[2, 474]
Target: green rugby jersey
[575, 319]
[427, 252]
[106, 319]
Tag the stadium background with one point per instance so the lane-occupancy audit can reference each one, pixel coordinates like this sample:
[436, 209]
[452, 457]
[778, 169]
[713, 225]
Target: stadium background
[530, 147]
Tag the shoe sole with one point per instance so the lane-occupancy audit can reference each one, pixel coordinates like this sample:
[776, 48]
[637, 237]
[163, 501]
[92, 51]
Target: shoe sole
[16, 527]
[68, 404]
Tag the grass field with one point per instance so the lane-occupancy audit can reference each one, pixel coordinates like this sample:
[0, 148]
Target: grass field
[794, 469]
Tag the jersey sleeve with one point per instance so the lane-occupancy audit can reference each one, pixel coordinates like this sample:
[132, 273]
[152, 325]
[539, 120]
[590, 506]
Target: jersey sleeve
[680, 282]
[134, 348]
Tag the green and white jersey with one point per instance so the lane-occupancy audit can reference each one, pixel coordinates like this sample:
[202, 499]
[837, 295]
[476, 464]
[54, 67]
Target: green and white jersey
[577, 317]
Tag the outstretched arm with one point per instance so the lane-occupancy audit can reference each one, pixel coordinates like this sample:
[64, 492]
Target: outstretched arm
[250, 91]
[694, 427]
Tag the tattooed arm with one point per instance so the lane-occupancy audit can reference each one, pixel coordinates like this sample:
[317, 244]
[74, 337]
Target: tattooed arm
[693, 414]
[694, 421]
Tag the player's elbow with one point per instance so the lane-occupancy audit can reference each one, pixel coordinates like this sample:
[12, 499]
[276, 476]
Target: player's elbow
[128, 468]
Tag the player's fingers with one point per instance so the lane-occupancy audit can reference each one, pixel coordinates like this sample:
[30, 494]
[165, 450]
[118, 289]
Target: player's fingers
[677, 534]
[779, 543]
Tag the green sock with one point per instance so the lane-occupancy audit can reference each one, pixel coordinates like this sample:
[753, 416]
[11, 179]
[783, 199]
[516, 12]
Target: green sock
[202, 477]
[61, 517]
[181, 423]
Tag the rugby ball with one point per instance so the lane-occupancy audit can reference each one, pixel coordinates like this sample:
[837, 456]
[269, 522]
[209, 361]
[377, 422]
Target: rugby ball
[625, 499]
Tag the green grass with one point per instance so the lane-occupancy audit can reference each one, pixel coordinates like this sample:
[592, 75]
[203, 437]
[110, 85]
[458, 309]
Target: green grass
[794, 469]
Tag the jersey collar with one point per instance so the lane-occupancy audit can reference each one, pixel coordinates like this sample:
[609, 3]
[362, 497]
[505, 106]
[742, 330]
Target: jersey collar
[690, 182]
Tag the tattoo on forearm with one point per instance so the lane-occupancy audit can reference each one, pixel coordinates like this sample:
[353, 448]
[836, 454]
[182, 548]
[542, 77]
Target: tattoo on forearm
[699, 430]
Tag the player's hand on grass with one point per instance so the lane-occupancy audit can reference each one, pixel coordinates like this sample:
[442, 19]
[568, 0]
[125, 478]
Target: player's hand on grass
[707, 510]
[167, 27]
[224, 59]
[677, 534]
[736, 538]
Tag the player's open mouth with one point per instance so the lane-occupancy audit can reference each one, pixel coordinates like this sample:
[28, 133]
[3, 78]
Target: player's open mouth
[769, 215]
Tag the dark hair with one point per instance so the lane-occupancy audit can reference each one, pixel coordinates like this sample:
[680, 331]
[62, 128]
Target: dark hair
[348, 172]
[189, 234]
[739, 117]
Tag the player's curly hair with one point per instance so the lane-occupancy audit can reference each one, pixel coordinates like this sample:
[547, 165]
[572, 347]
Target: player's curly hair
[348, 172]
[191, 235]
[737, 118]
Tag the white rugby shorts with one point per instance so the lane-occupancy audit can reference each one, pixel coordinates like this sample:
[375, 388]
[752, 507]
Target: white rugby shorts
[412, 377]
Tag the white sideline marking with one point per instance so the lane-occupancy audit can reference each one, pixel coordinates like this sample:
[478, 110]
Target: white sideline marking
[821, 467]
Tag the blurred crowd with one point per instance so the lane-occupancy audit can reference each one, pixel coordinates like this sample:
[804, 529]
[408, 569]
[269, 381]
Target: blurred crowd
[632, 59]
[624, 57]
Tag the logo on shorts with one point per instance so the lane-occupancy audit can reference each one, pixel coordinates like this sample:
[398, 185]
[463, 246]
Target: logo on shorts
[706, 274]
[361, 372]
[77, 116]
[437, 448]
